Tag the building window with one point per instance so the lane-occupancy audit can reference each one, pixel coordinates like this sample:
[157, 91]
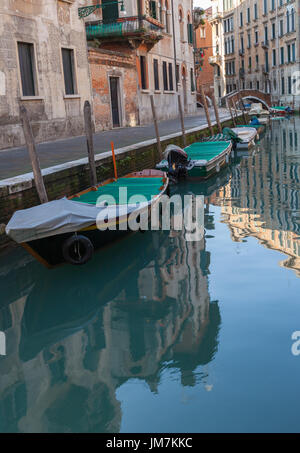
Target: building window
[192, 81]
[257, 85]
[152, 9]
[167, 18]
[190, 31]
[26, 61]
[265, 6]
[177, 74]
[274, 57]
[281, 55]
[143, 66]
[273, 30]
[171, 88]
[289, 85]
[241, 19]
[248, 15]
[281, 28]
[255, 11]
[156, 75]
[282, 85]
[165, 76]
[181, 25]
[68, 67]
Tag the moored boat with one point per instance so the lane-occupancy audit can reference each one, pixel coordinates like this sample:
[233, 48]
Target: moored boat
[199, 160]
[247, 136]
[70, 229]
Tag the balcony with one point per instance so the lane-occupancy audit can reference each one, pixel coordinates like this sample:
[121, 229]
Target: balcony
[265, 44]
[241, 52]
[145, 28]
[215, 60]
[265, 69]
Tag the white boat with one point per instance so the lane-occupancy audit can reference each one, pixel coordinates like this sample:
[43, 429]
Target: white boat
[247, 135]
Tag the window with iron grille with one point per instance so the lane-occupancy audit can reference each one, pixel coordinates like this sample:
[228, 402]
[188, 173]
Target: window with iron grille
[26, 61]
[68, 67]
[165, 76]
[156, 75]
[143, 72]
[171, 77]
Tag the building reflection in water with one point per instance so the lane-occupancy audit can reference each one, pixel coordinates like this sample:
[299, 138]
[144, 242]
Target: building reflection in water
[262, 197]
[76, 335]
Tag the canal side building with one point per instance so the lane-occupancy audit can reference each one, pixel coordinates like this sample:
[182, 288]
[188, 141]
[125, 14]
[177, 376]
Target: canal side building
[43, 66]
[256, 47]
[146, 49]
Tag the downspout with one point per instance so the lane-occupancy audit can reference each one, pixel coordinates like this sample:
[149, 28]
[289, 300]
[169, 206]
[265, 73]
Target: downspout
[174, 45]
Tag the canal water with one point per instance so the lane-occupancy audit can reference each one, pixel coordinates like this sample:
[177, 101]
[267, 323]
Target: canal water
[160, 334]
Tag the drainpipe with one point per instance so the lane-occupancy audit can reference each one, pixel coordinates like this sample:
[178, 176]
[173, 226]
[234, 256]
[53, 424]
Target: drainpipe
[174, 44]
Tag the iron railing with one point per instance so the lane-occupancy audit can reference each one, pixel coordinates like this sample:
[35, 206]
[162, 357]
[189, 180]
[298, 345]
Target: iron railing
[122, 27]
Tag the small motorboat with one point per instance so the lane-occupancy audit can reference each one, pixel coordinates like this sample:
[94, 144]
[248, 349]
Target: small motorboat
[70, 229]
[247, 136]
[199, 160]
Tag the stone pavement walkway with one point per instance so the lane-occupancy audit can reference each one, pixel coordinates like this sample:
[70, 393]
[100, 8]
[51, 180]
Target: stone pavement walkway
[15, 161]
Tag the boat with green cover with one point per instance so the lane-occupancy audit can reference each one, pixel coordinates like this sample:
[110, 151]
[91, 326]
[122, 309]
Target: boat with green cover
[198, 160]
[70, 229]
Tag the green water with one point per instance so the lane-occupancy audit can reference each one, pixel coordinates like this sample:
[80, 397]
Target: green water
[157, 334]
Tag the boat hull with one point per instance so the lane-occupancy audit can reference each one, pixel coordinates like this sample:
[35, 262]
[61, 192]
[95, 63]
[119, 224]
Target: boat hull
[49, 250]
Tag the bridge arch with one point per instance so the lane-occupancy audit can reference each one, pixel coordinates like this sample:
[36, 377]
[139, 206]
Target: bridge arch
[255, 95]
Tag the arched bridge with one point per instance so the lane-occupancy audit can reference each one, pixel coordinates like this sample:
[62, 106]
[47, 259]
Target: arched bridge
[248, 96]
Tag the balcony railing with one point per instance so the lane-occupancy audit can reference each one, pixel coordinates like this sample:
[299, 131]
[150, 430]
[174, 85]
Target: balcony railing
[215, 59]
[124, 27]
[265, 44]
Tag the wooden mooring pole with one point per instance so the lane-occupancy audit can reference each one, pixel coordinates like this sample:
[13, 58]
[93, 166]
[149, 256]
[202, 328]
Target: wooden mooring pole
[206, 110]
[156, 126]
[232, 117]
[30, 143]
[216, 112]
[243, 107]
[181, 120]
[87, 111]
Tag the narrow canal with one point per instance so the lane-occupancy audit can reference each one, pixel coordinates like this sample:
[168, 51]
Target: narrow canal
[159, 334]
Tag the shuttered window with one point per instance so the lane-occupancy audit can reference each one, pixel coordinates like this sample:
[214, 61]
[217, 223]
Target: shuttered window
[156, 76]
[26, 61]
[190, 33]
[165, 76]
[68, 66]
[171, 77]
[192, 81]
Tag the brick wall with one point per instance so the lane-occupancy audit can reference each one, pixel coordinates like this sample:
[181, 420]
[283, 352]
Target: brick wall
[106, 63]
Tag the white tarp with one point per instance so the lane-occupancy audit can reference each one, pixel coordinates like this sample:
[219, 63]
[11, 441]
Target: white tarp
[60, 216]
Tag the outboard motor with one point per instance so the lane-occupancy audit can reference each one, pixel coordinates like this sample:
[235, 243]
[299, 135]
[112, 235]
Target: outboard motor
[178, 162]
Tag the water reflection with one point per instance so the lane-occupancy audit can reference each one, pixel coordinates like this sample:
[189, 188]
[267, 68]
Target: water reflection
[76, 335]
[262, 197]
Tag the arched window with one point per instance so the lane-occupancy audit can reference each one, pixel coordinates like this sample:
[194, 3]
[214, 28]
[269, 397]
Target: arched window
[181, 24]
[189, 29]
[167, 13]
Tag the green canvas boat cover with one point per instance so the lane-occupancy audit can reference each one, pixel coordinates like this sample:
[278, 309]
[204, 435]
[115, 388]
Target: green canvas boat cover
[148, 187]
[279, 107]
[206, 150]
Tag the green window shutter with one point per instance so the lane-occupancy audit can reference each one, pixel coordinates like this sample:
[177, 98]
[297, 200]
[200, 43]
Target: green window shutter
[190, 34]
[110, 12]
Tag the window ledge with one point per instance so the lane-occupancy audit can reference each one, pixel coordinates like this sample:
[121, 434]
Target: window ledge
[72, 96]
[32, 98]
[169, 92]
[143, 90]
[157, 91]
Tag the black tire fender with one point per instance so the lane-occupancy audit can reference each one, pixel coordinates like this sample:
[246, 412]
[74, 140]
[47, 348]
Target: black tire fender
[77, 249]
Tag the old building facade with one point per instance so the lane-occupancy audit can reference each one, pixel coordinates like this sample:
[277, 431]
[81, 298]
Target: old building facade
[44, 66]
[146, 49]
[203, 53]
[257, 47]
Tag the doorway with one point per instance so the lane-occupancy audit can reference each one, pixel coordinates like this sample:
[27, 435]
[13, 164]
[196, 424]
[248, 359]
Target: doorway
[115, 101]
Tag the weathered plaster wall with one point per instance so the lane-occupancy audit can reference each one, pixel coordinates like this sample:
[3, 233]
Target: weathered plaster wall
[119, 62]
[49, 26]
